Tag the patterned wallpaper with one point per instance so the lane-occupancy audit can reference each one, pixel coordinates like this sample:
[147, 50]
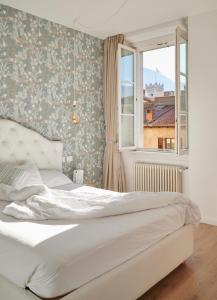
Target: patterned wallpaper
[39, 78]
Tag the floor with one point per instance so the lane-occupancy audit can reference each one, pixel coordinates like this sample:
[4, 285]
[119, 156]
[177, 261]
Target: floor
[196, 279]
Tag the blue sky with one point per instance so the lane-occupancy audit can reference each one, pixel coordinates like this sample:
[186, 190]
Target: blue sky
[158, 65]
[162, 59]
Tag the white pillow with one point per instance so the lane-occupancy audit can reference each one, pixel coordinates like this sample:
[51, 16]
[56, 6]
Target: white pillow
[15, 178]
[19, 176]
[54, 178]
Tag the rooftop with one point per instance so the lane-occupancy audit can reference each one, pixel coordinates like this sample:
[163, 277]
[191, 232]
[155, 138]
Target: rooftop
[159, 111]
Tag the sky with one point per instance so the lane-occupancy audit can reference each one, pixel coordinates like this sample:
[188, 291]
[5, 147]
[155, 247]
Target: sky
[162, 59]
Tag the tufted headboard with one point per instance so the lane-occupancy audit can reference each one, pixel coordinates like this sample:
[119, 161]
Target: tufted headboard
[19, 144]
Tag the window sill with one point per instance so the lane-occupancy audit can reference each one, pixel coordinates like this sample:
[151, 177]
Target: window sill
[151, 156]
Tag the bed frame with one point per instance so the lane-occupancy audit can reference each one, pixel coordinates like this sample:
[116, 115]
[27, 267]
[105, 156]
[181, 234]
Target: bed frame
[131, 279]
[127, 281]
[18, 144]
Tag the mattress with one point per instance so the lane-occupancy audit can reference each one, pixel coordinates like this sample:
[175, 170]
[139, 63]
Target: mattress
[52, 258]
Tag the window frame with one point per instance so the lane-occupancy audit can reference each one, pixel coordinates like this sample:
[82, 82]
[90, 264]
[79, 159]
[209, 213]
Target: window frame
[171, 40]
[180, 33]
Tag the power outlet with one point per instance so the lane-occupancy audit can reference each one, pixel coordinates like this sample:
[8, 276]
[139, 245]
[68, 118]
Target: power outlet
[78, 176]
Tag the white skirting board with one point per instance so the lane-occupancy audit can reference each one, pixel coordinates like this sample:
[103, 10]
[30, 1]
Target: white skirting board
[209, 221]
[131, 279]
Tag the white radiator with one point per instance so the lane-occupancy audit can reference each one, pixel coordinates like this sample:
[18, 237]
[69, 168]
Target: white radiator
[158, 178]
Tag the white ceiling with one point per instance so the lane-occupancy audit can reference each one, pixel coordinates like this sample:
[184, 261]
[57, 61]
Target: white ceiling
[103, 18]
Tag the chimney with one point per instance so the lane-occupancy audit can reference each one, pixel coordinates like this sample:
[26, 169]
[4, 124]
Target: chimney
[149, 115]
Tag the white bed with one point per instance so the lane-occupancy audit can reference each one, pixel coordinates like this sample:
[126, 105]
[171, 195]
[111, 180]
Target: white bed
[123, 260]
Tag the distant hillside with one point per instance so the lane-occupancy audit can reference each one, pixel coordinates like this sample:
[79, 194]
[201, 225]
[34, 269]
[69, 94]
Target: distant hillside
[151, 76]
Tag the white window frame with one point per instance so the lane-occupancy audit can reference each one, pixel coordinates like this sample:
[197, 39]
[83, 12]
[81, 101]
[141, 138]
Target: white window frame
[180, 33]
[138, 96]
[120, 47]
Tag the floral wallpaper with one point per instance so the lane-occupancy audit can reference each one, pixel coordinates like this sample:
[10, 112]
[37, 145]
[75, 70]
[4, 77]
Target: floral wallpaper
[44, 67]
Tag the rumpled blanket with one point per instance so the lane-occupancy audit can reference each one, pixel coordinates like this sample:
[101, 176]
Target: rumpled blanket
[41, 203]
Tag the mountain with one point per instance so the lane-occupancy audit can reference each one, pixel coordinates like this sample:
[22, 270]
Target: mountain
[151, 76]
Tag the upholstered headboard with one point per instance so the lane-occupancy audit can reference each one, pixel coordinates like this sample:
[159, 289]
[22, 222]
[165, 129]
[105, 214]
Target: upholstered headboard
[18, 144]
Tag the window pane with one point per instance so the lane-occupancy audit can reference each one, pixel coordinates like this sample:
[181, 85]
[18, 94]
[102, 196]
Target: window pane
[127, 127]
[183, 51]
[183, 94]
[127, 66]
[127, 99]
[173, 144]
[183, 132]
[169, 143]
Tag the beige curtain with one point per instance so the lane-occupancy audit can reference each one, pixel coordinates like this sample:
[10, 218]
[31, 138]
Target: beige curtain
[113, 168]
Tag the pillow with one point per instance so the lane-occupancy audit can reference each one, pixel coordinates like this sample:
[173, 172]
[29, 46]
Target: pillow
[19, 176]
[54, 178]
[17, 182]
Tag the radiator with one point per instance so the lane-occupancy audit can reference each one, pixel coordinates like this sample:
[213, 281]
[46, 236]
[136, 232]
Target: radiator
[158, 178]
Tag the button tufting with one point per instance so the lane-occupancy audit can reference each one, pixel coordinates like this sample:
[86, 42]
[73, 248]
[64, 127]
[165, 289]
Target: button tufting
[13, 137]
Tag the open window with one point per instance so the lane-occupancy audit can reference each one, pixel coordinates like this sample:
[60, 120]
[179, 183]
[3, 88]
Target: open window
[127, 97]
[158, 121]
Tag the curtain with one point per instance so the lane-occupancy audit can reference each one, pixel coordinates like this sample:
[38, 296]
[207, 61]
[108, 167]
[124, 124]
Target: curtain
[113, 168]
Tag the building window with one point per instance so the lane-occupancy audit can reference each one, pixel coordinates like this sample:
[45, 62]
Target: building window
[160, 121]
[160, 143]
[166, 143]
[169, 143]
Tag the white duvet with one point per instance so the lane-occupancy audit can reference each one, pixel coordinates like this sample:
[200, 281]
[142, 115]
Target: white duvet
[54, 257]
[41, 203]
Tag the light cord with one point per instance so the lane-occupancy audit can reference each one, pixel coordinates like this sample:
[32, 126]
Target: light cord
[76, 20]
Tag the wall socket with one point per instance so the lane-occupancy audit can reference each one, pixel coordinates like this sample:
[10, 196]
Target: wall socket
[78, 176]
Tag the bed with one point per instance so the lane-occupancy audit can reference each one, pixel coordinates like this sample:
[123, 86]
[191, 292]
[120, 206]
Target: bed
[126, 257]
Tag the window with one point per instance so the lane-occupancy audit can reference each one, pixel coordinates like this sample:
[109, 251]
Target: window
[160, 143]
[166, 143]
[170, 143]
[159, 119]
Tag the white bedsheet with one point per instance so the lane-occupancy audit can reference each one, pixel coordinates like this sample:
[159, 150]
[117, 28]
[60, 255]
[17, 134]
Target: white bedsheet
[54, 257]
[38, 203]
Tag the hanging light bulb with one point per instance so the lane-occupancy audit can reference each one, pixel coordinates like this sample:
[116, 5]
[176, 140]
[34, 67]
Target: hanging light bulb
[75, 118]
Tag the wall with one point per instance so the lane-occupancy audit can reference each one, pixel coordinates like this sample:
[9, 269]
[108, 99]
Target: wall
[38, 78]
[203, 113]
